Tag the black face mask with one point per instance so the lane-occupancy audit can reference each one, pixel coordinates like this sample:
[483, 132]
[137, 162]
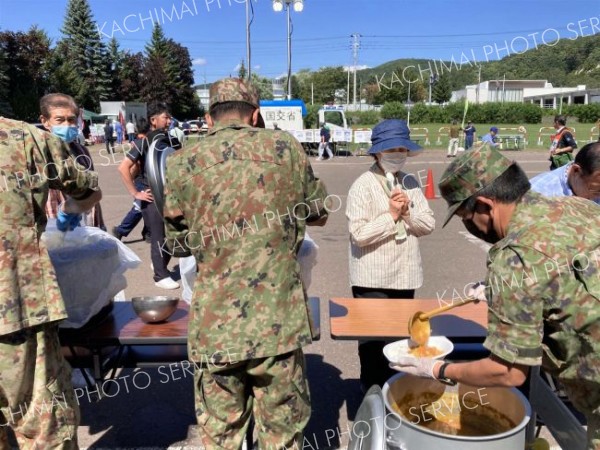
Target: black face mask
[490, 237]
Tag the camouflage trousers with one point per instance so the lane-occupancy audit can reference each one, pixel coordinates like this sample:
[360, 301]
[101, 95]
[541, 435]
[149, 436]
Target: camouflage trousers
[273, 390]
[585, 396]
[36, 395]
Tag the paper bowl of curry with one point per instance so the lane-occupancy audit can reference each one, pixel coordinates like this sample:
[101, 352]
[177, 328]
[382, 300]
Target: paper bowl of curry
[437, 348]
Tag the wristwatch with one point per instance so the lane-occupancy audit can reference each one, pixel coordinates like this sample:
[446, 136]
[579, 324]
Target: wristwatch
[442, 378]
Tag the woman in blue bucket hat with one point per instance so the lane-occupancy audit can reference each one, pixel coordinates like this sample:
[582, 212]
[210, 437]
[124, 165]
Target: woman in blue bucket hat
[386, 213]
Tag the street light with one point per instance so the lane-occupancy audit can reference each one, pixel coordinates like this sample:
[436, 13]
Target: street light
[298, 6]
[277, 5]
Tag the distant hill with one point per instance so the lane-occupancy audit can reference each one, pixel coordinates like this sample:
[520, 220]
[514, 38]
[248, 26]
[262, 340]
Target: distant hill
[568, 63]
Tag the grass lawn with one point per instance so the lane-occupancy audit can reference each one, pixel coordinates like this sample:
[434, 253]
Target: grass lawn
[439, 139]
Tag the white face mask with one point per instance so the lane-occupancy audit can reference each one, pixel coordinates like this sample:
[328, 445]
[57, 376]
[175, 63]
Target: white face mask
[393, 162]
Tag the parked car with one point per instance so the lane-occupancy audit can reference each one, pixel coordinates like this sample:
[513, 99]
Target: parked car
[198, 126]
[194, 125]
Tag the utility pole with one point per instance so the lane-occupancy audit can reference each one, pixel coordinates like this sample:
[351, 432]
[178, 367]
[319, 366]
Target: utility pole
[430, 86]
[432, 81]
[312, 93]
[348, 89]
[478, 84]
[355, 46]
[289, 43]
[408, 106]
[248, 53]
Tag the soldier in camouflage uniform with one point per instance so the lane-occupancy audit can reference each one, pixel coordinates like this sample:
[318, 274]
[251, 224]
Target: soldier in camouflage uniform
[542, 285]
[239, 201]
[36, 396]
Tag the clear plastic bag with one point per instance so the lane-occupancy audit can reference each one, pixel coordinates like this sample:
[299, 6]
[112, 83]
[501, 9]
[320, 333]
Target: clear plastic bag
[187, 269]
[307, 257]
[90, 265]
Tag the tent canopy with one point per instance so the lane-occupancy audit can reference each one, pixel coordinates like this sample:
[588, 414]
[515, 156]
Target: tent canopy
[90, 115]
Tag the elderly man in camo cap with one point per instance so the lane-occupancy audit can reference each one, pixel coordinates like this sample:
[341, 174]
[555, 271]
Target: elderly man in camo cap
[228, 203]
[542, 285]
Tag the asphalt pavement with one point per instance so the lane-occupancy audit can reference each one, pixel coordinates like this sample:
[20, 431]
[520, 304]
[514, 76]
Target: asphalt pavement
[157, 411]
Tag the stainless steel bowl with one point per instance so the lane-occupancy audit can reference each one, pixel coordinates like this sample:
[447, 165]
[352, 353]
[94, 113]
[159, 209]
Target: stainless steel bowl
[154, 309]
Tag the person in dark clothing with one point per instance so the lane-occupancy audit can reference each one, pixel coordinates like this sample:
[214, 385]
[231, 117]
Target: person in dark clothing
[563, 144]
[159, 119]
[469, 132]
[325, 144]
[134, 216]
[108, 136]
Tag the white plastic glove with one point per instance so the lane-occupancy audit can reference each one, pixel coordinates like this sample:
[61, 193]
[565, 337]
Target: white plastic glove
[420, 367]
[478, 291]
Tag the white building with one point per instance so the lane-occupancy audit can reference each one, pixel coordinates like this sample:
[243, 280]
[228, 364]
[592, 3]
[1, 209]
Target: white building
[278, 89]
[552, 97]
[203, 94]
[526, 91]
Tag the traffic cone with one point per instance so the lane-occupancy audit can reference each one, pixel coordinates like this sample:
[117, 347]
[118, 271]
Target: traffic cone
[430, 188]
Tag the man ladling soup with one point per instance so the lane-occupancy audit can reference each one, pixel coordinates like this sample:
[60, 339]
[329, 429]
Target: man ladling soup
[551, 317]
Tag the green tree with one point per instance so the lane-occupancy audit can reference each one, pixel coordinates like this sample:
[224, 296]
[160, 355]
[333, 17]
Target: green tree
[160, 75]
[64, 77]
[168, 75]
[442, 91]
[157, 47]
[5, 108]
[311, 120]
[399, 85]
[86, 53]
[264, 85]
[185, 101]
[27, 55]
[326, 83]
[114, 59]
[242, 72]
[130, 77]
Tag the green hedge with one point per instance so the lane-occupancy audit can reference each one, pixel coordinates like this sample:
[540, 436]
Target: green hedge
[496, 113]
[363, 117]
[393, 110]
[499, 113]
[584, 113]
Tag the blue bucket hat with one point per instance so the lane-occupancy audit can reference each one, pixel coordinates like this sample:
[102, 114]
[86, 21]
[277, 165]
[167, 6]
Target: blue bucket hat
[392, 133]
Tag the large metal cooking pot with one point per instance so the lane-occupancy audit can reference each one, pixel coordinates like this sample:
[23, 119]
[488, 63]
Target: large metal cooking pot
[377, 425]
[495, 403]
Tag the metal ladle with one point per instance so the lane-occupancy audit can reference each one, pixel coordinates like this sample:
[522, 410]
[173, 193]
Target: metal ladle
[419, 327]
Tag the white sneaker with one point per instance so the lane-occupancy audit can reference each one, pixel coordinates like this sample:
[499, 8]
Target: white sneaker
[320, 158]
[167, 283]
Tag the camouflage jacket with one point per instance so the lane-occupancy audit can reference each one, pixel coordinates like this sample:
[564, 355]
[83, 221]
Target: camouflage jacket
[544, 284]
[31, 162]
[238, 201]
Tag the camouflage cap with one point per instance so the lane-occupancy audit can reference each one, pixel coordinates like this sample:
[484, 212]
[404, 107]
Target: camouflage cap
[468, 174]
[233, 90]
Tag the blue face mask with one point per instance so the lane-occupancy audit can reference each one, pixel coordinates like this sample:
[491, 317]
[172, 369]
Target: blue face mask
[65, 132]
